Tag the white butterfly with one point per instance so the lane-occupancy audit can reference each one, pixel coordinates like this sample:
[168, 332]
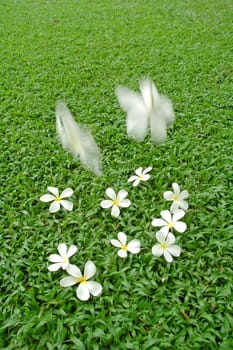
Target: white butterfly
[146, 109]
[78, 141]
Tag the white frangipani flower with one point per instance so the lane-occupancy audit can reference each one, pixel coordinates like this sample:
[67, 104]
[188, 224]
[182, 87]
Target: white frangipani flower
[169, 222]
[85, 288]
[62, 260]
[116, 201]
[177, 197]
[57, 199]
[166, 246]
[133, 246]
[141, 175]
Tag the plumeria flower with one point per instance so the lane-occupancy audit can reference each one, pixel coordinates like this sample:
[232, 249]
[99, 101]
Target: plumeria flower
[132, 247]
[141, 175]
[62, 260]
[177, 197]
[116, 201]
[169, 222]
[166, 246]
[86, 288]
[58, 199]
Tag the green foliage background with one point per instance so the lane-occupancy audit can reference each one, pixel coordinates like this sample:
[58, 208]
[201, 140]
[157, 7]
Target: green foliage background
[79, 51]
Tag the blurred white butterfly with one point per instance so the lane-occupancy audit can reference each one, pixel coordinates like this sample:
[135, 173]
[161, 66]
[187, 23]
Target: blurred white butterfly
[78, 141]
[148, 109]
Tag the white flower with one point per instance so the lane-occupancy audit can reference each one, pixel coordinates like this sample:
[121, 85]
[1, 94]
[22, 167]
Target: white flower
[141, 175]
[166, 246]
[116, 201]
[85, 288]
[62, 260]
[58, 200]
[132, 247]
[177, 197]
[169, 222]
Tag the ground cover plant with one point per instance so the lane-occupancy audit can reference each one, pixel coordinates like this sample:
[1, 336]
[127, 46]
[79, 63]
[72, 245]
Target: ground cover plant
[79, 52]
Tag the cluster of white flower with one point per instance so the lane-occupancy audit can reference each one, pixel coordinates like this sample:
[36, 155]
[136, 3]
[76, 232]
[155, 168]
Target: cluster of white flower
[166, 246]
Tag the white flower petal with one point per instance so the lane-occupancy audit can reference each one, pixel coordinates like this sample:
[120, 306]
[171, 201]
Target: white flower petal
[54, 191]
[145, 177]
[176, 188]
[166, 215]
[83, 292]
[161, 236]
[106, 204]
[89, 269]
[170, 239]
[174, 207]
[158, 222]
[184, 194]
[74, 271]
[72, 250]
[47, 198]
[94, 288]
[138, 171]
[178, 215]
[125, 203]
[62, 249]
[165, 230]
[122, 194]
[157, 250]
[174, 250]
[67, 193]
[116, 243]
[66, 204]
[168, 195]
[167, 256]
[122, 253]
[134, 246]
[55, 258]
[180, 226]
[136, 182]
[54, 207]
[54, 267]
[122, 238]
[115, 211]
[147, 170]
[110, 193]
[132, 178]
[68, 281]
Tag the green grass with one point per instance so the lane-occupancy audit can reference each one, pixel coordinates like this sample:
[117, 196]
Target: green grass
[79, 51]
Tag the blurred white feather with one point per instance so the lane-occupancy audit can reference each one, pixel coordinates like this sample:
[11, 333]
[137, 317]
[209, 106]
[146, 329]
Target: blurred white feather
[146, 110]
[78, 141]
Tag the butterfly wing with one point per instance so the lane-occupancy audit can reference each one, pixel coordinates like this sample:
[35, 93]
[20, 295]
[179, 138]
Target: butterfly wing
[160, 118]
[137, 115]
[78, 141]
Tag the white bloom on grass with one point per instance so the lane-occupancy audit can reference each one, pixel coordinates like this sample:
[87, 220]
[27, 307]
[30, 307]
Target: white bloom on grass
[115, 201]
[133, 246]
[166, 246]
[57, 199]
[141, 175]
[168, 222]
[62, 260]
[177, 197]
[86, 288]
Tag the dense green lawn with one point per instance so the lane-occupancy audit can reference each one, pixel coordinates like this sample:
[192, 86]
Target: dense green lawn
[79, 51]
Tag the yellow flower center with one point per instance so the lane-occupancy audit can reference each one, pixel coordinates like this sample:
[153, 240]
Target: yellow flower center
[175, 198]
[64, 260]
[163, 245]
[82, 279]
[170, 224]
[124, 247]
[115, 202]
[58, 199]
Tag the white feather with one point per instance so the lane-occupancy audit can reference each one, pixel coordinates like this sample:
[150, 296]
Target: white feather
[78, 141]
[147, 108]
